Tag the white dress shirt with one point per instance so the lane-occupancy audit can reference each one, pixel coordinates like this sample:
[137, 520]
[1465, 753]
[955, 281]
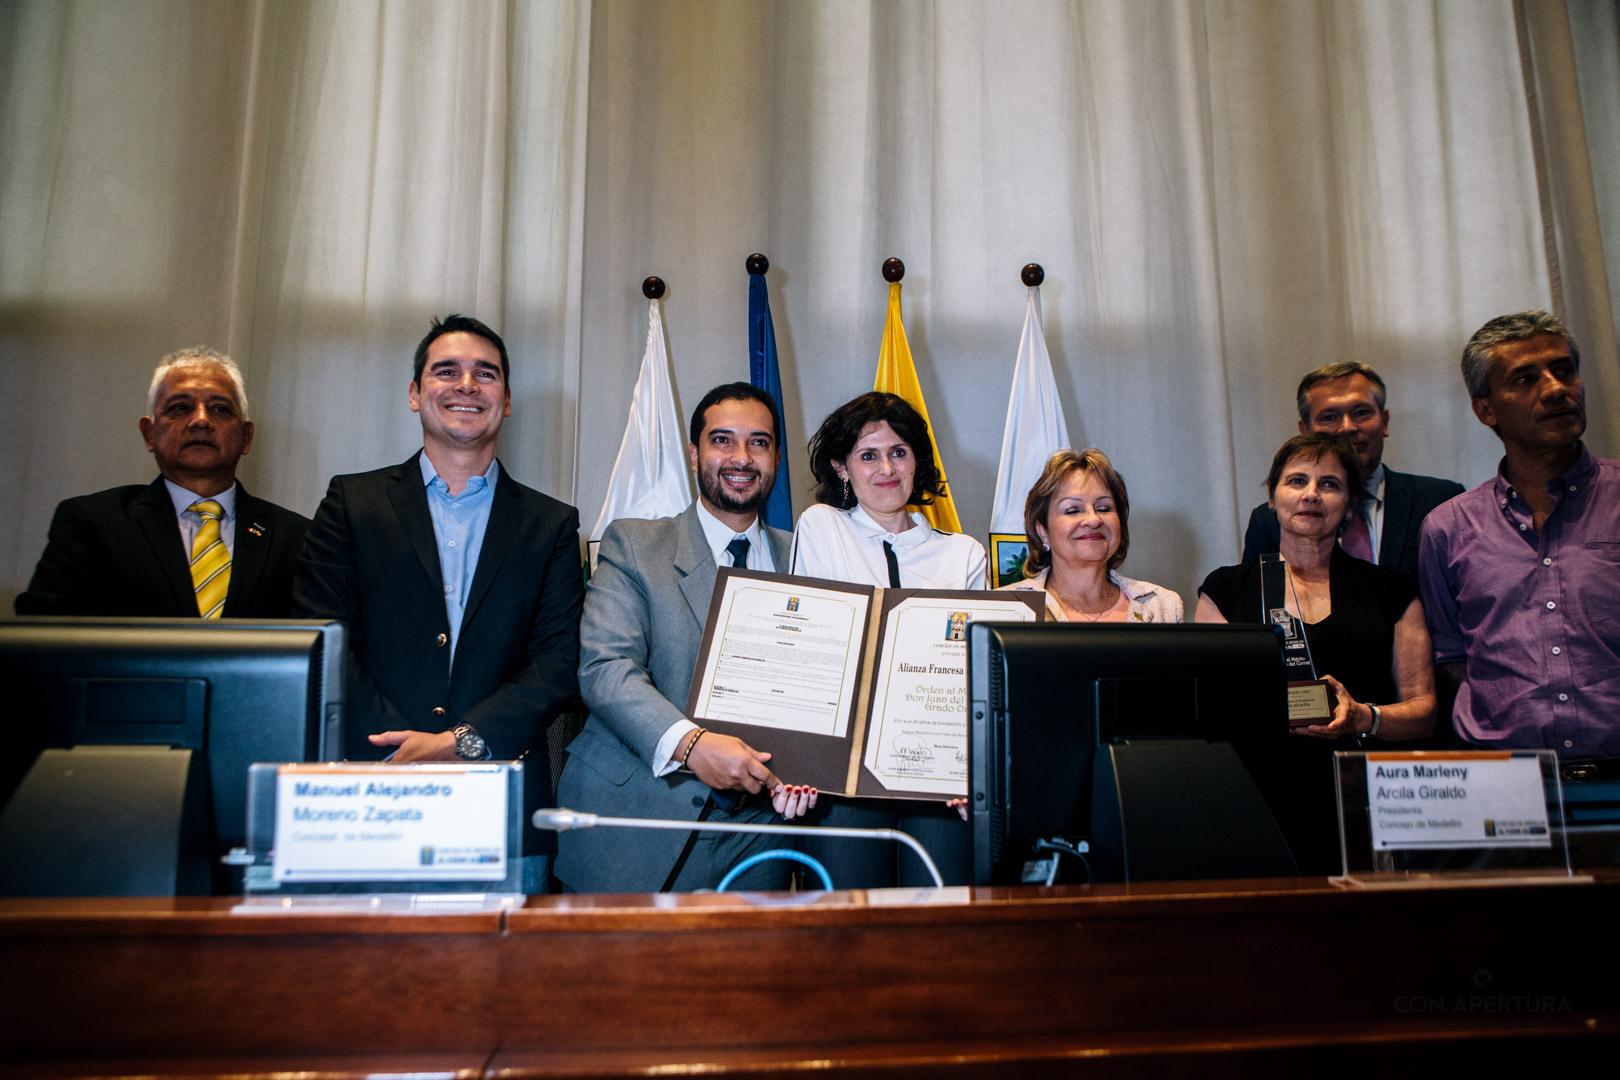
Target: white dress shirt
[847, 545]
[719, 535]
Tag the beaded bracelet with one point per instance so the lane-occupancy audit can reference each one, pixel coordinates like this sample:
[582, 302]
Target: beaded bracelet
[696, 735]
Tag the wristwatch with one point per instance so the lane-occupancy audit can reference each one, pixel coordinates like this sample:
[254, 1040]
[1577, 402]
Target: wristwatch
[1378, 721]
[470, 746]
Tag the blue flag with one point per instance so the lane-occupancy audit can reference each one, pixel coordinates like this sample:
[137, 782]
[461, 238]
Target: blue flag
[764, 373]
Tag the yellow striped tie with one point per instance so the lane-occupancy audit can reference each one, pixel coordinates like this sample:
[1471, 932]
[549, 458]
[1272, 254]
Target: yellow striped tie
[210, 562]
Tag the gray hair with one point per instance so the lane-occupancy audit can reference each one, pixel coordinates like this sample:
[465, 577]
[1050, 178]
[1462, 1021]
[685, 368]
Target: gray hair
[193, 357]
[1480, 352]
[1341, 369]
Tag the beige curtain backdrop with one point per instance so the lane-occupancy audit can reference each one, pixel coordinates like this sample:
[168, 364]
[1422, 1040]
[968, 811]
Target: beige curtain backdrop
[1223, 194]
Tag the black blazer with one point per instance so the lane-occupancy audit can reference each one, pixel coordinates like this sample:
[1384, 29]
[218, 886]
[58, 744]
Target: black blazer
[1408, 498]
[372, 560]
[118, 552]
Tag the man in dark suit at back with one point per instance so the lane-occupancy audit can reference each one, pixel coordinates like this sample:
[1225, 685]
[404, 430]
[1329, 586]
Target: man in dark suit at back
[1348, 399]
[461, 588]
[193, 542]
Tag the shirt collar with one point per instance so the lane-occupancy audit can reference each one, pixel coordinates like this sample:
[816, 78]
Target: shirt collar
[475, 484]
[719, 534]
[918, 533]
[1578, 473]
[183, 499]
[1375, 484]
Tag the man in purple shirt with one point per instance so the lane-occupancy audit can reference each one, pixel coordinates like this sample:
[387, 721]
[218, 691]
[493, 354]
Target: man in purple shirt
[1520, 577]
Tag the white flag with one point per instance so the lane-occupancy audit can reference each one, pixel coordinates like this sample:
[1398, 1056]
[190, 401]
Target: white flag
[1035, 426]
[650, 478]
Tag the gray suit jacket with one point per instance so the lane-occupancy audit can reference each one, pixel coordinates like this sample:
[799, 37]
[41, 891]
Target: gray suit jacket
[644, 615]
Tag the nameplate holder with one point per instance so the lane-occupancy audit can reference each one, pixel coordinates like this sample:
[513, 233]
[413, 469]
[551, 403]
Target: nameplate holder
[1451, 817]
[366, 827]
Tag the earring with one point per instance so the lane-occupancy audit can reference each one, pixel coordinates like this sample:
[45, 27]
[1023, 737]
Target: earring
[846, 490]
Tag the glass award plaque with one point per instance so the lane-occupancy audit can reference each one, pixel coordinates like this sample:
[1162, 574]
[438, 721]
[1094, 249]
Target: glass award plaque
[1309, 699]
[1452, 817]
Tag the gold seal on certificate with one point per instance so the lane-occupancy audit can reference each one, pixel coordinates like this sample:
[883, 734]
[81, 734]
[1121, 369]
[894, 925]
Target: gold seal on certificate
[859, 690]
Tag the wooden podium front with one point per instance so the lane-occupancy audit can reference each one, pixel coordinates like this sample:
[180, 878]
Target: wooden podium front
[1225, 978]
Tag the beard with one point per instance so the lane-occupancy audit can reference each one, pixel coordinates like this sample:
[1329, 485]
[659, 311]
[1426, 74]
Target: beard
[719, 495]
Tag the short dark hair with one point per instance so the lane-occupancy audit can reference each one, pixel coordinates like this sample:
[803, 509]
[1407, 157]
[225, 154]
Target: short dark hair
[460, 324]
[841, 430]
[1317, 445]
[1038, 504]
[1343, 369]
[732, 391]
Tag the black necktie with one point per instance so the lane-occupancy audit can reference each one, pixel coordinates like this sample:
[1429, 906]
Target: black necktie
[894, 565]
[738, 550]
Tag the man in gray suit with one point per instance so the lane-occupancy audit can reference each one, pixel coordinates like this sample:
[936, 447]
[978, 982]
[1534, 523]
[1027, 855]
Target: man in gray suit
[639, 755]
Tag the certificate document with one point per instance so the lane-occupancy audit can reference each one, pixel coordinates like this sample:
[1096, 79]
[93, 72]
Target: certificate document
[854, 689]
[782, 658]
[917, 735]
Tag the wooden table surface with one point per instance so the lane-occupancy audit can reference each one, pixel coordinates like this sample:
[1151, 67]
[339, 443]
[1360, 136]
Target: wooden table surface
[1208, 978]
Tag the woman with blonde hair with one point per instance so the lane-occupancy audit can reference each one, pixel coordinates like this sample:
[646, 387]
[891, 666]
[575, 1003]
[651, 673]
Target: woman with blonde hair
[1077, 518]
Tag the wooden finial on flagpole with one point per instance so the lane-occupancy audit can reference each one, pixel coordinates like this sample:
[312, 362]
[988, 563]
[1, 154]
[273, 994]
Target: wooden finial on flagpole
[1032, 274]
[757, 264]
[653, 288]
[893, 270]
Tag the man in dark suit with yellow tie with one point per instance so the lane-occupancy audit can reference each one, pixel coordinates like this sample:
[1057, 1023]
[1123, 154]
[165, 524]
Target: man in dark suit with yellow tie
[1348, 399]
[191, 543]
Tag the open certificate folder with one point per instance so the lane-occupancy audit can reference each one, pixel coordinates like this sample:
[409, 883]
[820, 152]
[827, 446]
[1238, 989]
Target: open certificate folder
[854, 689]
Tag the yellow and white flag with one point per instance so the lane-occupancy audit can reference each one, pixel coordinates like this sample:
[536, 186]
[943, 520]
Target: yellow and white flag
[897, 374]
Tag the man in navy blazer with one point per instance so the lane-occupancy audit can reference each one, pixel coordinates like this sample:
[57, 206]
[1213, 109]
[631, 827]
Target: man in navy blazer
[461, 588]
[1348, 399]
[127, 550]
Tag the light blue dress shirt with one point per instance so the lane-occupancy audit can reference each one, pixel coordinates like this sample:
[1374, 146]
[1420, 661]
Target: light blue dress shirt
[459, 522]
[191, 521]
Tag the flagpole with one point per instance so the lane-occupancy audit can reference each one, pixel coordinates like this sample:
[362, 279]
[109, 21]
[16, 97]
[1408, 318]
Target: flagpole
[1032, 275]
[893, 270]
[653, 288]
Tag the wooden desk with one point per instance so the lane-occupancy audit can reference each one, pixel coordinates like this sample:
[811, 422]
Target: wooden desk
[1231, 978]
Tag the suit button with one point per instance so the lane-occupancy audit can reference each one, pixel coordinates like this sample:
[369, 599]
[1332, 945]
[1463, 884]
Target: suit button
[438, 710]
[697, 800]
[442, 639]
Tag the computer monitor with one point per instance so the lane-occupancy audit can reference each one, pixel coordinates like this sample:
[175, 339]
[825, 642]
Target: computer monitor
[230, 691]
[1049, 703]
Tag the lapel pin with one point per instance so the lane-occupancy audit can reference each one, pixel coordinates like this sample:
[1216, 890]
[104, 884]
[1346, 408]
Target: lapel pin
[256, 529]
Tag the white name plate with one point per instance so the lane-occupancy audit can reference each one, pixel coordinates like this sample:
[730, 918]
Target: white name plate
[1468, 799]
[429, 822]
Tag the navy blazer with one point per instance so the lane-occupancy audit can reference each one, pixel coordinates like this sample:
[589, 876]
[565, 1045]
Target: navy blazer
[119, 552]
[372, 560]
[1408, 498]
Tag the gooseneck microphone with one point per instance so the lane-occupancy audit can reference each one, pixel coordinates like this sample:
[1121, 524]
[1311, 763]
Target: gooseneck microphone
[557, 819]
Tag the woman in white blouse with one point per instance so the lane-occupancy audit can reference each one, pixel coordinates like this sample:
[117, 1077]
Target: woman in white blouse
[873, 461]
[1077, 518]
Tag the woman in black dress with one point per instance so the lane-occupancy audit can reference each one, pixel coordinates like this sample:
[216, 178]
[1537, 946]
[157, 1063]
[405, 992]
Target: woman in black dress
[1363, 623]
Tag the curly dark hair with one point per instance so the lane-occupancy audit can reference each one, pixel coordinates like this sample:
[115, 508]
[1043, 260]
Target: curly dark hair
[838, 434]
